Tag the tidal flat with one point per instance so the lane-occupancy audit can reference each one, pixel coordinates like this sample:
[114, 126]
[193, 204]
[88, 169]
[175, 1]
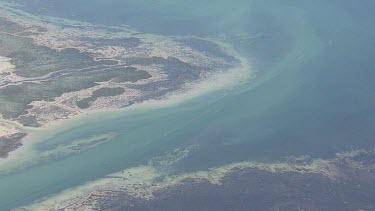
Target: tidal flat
[246, 105]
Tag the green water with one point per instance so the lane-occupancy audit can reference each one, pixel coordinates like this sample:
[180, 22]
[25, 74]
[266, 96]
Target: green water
[313, 94]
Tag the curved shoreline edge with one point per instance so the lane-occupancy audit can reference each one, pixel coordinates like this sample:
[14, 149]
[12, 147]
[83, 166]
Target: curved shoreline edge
[210, 83]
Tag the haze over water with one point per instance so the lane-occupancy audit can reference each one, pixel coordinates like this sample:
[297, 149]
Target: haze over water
[312, 93]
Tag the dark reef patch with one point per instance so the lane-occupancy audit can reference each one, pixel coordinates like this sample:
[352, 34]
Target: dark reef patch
[10, 143]
[255, 189]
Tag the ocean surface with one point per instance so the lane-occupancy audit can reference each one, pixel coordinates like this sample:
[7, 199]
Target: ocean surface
[313, 93]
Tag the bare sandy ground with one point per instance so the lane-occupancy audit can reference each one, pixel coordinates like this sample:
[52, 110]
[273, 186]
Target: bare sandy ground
[7, 129]
[5, 65]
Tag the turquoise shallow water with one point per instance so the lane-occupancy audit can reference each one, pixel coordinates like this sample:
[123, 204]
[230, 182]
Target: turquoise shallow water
[313, 94]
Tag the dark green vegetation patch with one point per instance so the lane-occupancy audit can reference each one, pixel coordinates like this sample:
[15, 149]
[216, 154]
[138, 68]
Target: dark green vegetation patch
[102, 92]
[35, 61]
[15, 99]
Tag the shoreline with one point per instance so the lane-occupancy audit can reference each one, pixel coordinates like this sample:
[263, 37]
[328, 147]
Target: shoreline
[25, 155]
[217, 79]
[163, 47]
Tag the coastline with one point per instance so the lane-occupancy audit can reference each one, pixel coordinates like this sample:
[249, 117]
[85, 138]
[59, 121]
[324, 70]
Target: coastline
[25, 155]
[134, 105]
[227, 77]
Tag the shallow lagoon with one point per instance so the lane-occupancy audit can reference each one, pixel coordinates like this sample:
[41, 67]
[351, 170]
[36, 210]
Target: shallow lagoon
[313, 96]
